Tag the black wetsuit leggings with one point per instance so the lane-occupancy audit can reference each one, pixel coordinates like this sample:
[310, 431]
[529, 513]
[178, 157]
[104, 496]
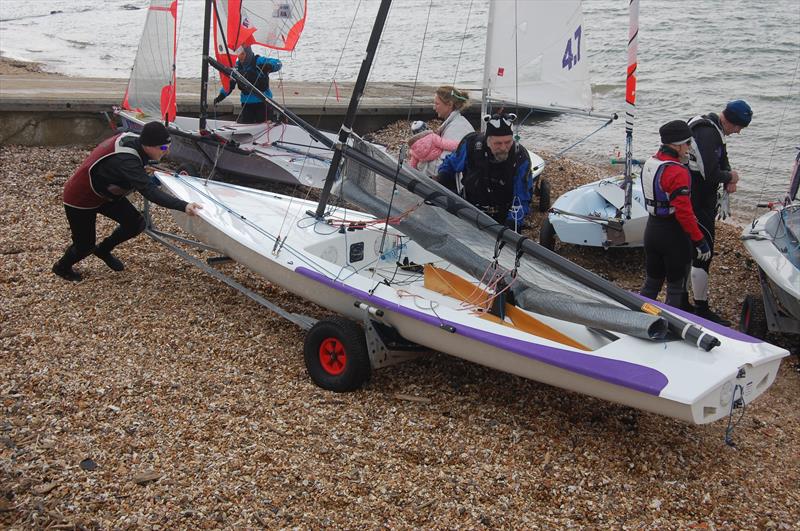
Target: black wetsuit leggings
[82, 223]
[706, 221]
[668, 250]
[253, 113]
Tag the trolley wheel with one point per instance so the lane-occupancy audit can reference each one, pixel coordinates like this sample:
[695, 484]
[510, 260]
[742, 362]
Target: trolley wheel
[188, 169]
[336, 356]
[753, 320]
[547, 235]
[544, 195]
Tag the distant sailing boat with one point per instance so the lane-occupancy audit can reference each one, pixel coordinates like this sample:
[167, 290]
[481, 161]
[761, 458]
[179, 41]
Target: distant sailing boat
[609, 212]
[273, 151]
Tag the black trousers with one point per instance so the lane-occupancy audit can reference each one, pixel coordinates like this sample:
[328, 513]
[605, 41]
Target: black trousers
[253, 113]
[83, 223]
[668, 250]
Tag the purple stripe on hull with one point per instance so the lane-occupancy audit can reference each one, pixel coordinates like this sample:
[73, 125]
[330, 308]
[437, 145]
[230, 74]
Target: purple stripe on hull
[623, 373]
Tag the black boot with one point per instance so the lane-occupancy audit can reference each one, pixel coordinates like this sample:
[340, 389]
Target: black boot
[63, 267]
[103, 252]
[701, 309]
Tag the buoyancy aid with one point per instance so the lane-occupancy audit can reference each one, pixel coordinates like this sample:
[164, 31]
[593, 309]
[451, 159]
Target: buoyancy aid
[695, 160]
[487, 184]
[257, 75]
[78, 190]
[656, 200]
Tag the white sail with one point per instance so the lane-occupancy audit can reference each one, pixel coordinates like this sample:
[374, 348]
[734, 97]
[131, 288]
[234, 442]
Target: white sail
[151, 89]
[535, 55]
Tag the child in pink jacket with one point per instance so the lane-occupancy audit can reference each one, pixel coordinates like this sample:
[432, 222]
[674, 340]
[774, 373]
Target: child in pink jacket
[426, 145]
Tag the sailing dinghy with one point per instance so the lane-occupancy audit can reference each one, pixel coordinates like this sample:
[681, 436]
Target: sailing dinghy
[773, 240]
[279, 152]
[609, 212]
[422, 268]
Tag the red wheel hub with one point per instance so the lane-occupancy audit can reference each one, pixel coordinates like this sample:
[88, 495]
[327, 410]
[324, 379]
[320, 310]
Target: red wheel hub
[332, 356]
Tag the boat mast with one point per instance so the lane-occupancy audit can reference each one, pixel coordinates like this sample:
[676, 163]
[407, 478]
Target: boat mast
[486, 56]
[358, 90]
[204, 69]
[630, 101]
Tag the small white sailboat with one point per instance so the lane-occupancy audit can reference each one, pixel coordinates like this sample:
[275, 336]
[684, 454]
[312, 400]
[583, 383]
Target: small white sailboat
[773, 240]
[420, 267]
[279, 152]
[609, 212]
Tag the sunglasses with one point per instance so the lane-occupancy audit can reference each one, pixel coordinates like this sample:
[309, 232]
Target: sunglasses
[164, 147]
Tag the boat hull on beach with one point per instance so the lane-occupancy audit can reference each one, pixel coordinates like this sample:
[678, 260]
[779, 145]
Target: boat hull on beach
[346, 266]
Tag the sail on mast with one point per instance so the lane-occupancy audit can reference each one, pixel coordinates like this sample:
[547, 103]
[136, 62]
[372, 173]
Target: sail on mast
[275, 24]
[535, 55]
[630, 100]
[151, 88]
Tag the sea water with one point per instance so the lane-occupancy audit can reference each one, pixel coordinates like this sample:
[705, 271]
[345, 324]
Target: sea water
[694, 56]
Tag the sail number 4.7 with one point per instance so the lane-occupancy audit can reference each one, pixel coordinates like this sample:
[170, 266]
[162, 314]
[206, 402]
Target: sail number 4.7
[569, 60]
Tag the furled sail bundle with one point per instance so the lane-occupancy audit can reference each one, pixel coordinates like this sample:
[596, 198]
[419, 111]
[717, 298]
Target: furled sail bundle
[275, 24]
[151, 88]
[534, 55]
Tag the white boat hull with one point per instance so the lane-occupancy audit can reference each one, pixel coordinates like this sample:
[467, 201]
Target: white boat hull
[335, 268]
[602, 201]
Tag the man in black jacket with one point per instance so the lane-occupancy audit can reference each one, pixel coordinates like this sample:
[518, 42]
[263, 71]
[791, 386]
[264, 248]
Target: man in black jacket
[114, 169]
[710, 169]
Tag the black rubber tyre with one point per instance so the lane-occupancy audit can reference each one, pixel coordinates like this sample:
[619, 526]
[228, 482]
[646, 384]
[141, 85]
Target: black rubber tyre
[188, 169]
[336, 356]
[753, 320]
[547, 235]
[544, 195]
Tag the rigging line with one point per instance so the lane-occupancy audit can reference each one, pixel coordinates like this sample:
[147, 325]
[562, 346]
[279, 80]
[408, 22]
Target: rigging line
[606, 124]
[339, 62]
[778, 133]
[419, 60]
[463, 38]
[516, 59]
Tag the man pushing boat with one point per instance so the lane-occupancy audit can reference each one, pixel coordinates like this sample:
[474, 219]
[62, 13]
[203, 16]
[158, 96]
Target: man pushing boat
[112, 171]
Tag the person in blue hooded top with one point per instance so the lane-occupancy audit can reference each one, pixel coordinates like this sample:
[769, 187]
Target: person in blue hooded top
[711, 171]
[256, 69]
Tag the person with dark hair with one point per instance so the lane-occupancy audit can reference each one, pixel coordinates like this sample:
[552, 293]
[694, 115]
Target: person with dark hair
[114, 169]
[671, 230]
[448, 102]
[256, 69]
[496, 172]
[710, 169]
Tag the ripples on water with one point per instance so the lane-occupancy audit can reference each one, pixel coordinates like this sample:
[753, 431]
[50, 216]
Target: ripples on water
[694, 55]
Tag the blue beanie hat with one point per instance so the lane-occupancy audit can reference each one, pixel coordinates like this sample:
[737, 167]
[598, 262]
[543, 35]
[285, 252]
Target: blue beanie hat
[738, 112]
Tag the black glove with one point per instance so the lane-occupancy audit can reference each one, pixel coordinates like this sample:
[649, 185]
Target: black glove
[218, 99]
[703, 251]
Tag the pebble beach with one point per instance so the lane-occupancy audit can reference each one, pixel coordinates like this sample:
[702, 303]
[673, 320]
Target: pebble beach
[160, 398]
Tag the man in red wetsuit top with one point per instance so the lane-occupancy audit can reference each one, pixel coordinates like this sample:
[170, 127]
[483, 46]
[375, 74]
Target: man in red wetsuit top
[672, 237]
[114, 169]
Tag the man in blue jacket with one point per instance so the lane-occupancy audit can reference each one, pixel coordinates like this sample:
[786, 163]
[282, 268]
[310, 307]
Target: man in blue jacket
[496, 172]
[256, 69]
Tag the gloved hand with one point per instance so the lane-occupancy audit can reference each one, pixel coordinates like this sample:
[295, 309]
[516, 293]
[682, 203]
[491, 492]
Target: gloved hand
[703, 250]
[218, 99]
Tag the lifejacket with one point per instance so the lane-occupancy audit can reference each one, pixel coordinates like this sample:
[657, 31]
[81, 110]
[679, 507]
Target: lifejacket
[486, 184]
[695, 160]
[78, 190]
[656, 200]
[258, 76]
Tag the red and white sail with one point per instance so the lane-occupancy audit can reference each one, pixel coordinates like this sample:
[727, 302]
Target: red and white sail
[275, 24]
[630, 82]
[151, 88]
